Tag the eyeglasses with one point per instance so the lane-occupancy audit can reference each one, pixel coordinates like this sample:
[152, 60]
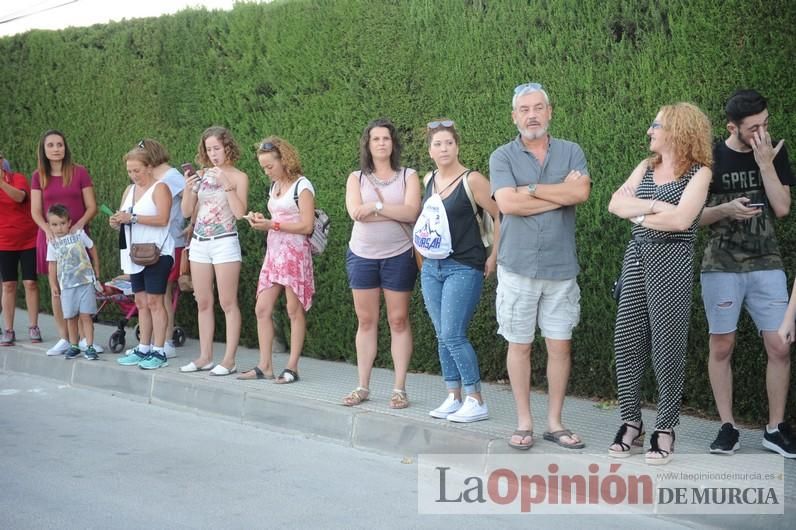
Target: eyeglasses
[527, 87]
[141, 145]
[656, 125]
[268, 146]
[438, 124]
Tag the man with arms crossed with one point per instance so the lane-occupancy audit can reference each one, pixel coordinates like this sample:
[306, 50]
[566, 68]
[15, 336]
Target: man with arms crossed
[742, 266]
[537, 180]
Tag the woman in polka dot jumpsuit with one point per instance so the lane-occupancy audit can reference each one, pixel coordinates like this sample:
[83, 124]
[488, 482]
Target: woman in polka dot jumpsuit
[663, 198]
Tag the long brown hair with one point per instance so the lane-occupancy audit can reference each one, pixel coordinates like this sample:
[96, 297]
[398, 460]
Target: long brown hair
[689, 133]
[285, 152]
[365, 156]
[45, 168]
[231, 149]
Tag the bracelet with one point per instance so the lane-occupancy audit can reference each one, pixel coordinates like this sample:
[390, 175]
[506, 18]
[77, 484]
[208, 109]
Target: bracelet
[638, 219]
[275, 226]
[652, 206]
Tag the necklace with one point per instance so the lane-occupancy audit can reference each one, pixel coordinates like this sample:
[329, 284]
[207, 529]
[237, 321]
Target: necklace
[376, 181]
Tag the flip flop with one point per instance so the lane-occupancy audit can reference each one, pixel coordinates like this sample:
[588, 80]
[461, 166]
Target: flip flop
[258, 374]
[287, 376]
[523, 434]
[191, 367]
[221, 370]
[556, 436]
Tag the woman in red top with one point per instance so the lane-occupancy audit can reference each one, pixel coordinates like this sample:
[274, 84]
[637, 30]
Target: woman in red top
[58, 180]
[17, 245]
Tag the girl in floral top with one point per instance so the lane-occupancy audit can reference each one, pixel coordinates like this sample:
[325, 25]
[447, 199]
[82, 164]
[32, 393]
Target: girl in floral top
[217, 196]
[288, 259]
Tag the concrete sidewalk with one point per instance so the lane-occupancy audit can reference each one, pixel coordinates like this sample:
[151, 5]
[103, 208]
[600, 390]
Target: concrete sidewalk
[312, 405]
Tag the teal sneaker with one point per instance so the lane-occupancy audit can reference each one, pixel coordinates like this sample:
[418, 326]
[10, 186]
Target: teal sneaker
[156, 359]
[91, 354]
[72, 352]
[132, 358]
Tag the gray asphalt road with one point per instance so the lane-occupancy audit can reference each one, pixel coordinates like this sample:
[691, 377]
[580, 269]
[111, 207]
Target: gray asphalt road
[75, 458]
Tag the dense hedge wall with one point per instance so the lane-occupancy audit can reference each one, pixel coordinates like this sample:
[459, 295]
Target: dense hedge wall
[315, 71]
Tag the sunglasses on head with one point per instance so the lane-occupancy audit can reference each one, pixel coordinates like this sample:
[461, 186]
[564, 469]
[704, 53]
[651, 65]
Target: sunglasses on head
[268, 146]
[141, 145]
[438, 124]
[529, 87]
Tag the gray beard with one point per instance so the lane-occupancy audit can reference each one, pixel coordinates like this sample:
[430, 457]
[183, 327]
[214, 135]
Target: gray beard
[528, 135]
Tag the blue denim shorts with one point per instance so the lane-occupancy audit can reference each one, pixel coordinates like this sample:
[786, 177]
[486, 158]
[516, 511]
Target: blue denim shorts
[764, 294]
[397, 273]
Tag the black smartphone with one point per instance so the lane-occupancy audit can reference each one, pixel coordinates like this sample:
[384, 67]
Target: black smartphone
[188, 169]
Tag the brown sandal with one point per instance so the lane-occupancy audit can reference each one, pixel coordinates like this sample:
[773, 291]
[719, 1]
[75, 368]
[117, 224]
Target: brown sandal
[399, 399]
[357, 396]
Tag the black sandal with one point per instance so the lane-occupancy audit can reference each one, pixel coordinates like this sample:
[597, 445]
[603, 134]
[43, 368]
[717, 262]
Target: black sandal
[258, 374]
[287, 376]
[665, 455]
[636, 445]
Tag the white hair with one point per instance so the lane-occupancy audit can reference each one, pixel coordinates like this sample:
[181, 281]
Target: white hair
[528, 90]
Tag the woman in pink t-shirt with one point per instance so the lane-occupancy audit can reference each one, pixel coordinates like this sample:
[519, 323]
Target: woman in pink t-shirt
[383, 199]
[58, 180]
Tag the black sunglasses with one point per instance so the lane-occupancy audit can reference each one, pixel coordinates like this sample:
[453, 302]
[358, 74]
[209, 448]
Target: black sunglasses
[438, 124]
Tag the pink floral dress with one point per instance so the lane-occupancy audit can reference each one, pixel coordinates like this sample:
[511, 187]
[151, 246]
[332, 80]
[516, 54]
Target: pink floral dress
[288, 257]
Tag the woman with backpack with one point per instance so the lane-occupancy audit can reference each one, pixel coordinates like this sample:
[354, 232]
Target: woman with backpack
[456, 200]
[288, 258]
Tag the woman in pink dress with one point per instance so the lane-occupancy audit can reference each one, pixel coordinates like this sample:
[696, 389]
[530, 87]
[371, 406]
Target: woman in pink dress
[58, 180]
[288, 259]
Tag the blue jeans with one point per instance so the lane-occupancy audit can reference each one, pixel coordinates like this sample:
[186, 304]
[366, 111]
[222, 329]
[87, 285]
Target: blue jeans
[451, 292]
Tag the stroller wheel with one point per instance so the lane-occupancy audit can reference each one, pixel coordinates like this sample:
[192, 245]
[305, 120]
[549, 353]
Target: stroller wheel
[137, 333]
[117, 341]
[178, 337]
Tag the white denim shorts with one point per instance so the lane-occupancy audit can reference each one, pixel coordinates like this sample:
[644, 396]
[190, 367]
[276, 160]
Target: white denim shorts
[523, 302]
[217, 250]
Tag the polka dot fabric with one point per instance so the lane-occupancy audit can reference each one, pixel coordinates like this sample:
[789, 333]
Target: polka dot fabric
[654, 309]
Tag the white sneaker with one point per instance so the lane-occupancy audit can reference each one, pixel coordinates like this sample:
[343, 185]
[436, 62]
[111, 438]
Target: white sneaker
[169, 350]
[449, 406]
[60, 348]
[83, 345]
[471, 411]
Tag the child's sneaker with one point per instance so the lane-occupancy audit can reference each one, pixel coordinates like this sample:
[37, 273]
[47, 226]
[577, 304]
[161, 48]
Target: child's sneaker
[91, 354]
[132, 358]
[72, 352]
[8, 338]
[34, 333]
[156, 359]
[84, 346]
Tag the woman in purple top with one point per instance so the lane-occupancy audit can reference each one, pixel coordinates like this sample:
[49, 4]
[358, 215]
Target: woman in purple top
[58, 180]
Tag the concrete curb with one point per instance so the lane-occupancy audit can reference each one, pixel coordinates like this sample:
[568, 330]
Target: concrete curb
[352, 427]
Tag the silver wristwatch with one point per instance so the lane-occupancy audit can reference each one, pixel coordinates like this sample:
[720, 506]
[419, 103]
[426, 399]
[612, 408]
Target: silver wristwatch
[379, 207]
[532, 189]
[134, 219]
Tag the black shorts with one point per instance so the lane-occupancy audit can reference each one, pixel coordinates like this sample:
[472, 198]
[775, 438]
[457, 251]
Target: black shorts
[10, 261]
[153, 278]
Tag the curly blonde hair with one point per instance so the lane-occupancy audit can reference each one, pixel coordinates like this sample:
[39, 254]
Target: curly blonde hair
[690, 137]
[286, 153]
[231, 149]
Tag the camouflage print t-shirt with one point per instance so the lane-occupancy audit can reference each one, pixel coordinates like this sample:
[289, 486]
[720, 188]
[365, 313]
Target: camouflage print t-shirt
[747, 245]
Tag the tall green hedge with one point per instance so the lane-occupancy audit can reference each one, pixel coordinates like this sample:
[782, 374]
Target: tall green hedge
[315, 71]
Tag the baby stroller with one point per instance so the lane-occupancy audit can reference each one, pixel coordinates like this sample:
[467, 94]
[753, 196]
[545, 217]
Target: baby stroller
[119, 292]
